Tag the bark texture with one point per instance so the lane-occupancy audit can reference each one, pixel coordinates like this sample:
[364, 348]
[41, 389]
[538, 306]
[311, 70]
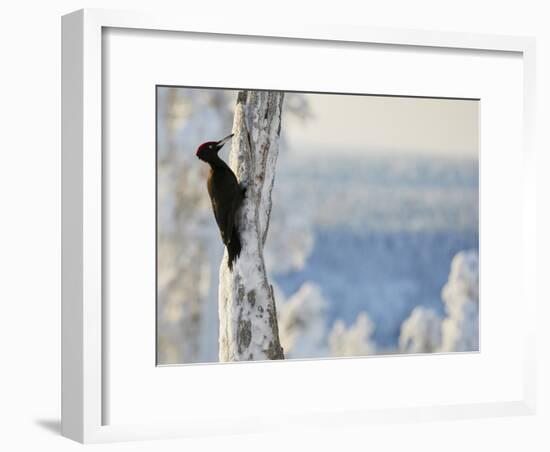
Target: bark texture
[248, 317]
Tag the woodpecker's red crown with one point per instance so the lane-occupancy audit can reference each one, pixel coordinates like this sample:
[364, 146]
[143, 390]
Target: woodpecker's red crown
[209, 145]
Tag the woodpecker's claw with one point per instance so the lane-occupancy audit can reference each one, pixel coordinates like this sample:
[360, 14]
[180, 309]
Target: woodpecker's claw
[244, 187]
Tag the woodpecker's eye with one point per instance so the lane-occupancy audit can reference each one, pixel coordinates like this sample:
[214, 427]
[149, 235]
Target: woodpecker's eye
[209, 146]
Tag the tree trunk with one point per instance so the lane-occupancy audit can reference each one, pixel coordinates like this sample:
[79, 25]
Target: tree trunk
[248, 318]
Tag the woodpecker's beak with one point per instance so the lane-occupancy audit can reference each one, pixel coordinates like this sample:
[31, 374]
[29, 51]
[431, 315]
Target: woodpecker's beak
[224, 140]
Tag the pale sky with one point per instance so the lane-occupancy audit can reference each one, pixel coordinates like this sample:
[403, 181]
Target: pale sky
[399, 125]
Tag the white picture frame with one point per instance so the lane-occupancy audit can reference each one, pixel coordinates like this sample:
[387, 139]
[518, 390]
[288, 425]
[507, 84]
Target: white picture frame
[84, 387]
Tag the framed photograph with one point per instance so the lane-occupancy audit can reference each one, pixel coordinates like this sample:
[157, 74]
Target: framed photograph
[270, 229]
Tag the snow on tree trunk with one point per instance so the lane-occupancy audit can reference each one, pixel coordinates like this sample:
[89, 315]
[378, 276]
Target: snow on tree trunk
[248, 318]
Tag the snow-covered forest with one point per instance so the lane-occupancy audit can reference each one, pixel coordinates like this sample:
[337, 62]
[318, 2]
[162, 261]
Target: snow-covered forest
[367, 253]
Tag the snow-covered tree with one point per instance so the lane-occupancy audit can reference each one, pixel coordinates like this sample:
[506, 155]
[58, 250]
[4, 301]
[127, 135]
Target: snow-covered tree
[302, 323]
[247, 312]
[424, 331]
[421, 332]
[460, 329]
[353, 341]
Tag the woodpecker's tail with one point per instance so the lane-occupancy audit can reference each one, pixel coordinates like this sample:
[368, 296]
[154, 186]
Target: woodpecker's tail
[233, 248]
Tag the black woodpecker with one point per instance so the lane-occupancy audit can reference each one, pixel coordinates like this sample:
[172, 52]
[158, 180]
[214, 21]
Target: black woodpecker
[226, 195]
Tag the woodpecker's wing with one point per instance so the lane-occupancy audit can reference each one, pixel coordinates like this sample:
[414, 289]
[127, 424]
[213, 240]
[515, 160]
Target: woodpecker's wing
[226, 196]
[231, 220]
